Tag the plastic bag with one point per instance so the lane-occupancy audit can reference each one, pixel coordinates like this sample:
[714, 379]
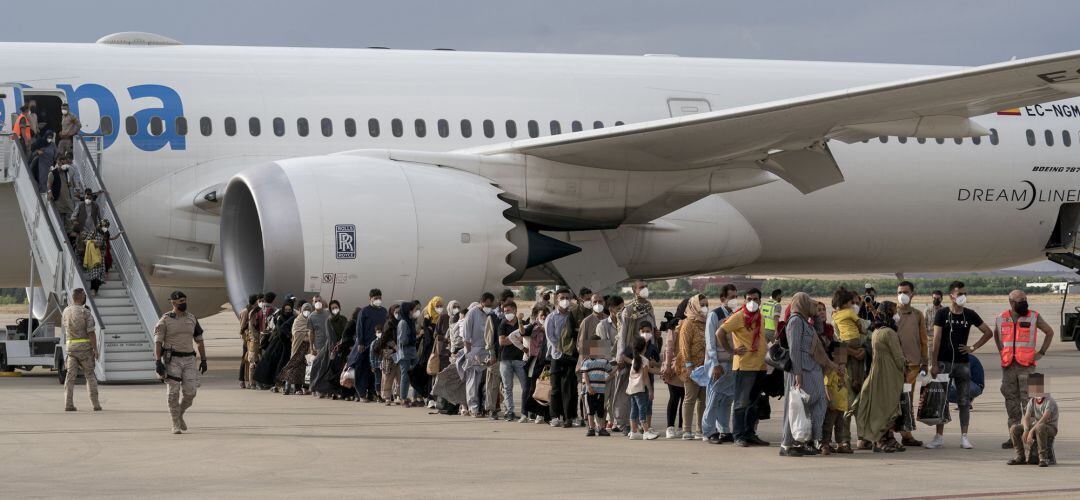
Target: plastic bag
[701, 376]
[348, 378]
[799, 420]
[906, 421]
[934, 401]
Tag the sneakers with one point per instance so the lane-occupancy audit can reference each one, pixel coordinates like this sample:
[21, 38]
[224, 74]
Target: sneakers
[688, 436]
[756, 441]
[510, 417]
[524, 419]
[964, 443]
[636, 436]
[590, 433]
[672, 433]
[714, 439]
[538, 420]
[555, 422]
[650, 435]
[431, 404]
[727, 437]
[937, 442]
[603, 432]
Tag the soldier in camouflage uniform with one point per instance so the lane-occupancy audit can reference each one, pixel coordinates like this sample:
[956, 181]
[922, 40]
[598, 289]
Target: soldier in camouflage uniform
[78, 324]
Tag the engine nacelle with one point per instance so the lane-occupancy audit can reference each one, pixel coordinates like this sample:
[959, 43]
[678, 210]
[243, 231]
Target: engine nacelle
[345, 223]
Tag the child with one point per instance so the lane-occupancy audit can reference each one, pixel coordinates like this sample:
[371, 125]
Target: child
[594, 375]
[382, 355]
[836, 389]
[1037, 428]
[641, 393]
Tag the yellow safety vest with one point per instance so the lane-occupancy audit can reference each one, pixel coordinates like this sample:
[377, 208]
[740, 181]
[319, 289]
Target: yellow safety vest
[768, 313]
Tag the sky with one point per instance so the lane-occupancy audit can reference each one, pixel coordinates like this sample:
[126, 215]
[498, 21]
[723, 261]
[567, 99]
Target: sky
[954, 32]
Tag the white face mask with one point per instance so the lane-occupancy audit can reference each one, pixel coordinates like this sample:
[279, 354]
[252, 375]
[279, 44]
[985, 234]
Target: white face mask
[896, 318]
[439, 310]
[647, 336]
[903, 298]
[587, 304]
[455, 311]
[88, 201]
[377, 302]
[397, 315]
[64, 168]
[510, 316]
[733, 304]
[63, 111]
[598, 308]
[643, 293]
[487, 310]
[564, 304]
[960, 300]
[307, 313]
[752, 306]
[416, 314]
[855, 307]
[335, 311]
[318, 306]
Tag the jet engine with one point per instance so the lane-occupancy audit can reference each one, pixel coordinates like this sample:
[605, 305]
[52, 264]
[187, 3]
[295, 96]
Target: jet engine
[342, 224]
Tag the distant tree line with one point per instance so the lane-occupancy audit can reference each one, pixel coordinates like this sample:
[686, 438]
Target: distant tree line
[10, 296]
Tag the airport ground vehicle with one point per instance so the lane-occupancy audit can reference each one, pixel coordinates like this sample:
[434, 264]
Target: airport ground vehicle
[1070, 318]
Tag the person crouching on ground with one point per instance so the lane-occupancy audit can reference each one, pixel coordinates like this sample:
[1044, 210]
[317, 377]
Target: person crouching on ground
[1038, 427]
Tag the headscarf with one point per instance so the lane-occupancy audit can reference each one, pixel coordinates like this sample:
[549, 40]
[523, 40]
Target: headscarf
[450, 307]
[803, 305]
[429, 311]
[406, 315]
[694, 309]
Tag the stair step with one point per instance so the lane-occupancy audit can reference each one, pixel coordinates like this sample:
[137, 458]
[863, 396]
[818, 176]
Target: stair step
[124, 338]
[113, 285]
[131, 376]
[114, 327]
[117, 346]
[113, 302]
[115, 293]
[116, 311]
[127, 366]
[111, 357]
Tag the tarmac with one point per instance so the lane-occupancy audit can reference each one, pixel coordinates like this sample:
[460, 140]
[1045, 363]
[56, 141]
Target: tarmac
[248, 444]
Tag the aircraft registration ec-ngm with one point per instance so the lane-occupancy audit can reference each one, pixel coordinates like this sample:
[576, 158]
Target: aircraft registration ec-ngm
[243, 169]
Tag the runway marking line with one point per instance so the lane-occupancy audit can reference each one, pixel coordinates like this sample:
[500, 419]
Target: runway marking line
[990, 494]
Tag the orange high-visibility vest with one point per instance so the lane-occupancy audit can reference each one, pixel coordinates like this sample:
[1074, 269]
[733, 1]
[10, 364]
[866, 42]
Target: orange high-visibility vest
[1018, 338]
[21, 128]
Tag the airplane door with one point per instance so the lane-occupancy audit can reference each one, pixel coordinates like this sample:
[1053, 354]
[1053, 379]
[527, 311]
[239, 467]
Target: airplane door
[681, 106]
[8, 110]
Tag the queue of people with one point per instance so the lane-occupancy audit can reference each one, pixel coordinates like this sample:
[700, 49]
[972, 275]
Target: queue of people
[591, 361]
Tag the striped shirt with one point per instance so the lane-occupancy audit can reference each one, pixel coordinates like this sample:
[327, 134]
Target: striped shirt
[597, 372]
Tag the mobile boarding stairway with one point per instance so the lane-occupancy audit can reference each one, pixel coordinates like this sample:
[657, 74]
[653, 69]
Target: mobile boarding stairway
[124, 310]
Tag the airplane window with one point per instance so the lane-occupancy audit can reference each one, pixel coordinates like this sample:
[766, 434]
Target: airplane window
[534, 128]
[396, 128]
[230, 126]
[619, 123]
[976, 140]
[556, 127]
[157, 126]
[511, 129]
[902, 139]
[421, 128]
[327, 127]
[444, 128]
[575, 126]
[373, 127]
[301, 127]
[131, 125]
[106, 125]
[489, 129]
[994, 139]
[1031, 137]
[466, 129]
[959, 140]
[254, 127]
[1066, 138]
[940, 140]
[181, 125]
[206, 126]
[350, 127]
[884, 139]
[921, 140]
[597, 124]
[1049, 135]
[279, 126]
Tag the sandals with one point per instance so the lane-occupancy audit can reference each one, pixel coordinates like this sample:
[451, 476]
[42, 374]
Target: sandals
[884, 448]
[844, 448]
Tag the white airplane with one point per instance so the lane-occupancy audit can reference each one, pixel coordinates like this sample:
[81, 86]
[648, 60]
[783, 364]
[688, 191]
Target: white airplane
[243, 169]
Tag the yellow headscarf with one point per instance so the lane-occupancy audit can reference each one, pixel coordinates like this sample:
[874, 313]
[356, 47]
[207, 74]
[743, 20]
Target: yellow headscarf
[429, 311]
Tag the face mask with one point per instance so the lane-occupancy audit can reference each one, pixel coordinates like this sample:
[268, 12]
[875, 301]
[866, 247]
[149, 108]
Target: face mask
[397, 315]
[439, 310]
[733, 304]
[903, 298]
[587, 304]
[1022, 308]
[335, 311]
[937, 301]
[63, 111]
[855, 308]
[510, 316]
[306, 313]
[487, 310]
[896, 318]
[182, 306]
[564, 304]
[416, 315]
[87, 201]
[318, 306]
[377, 302]
[64, 168]
[598, 308]
[960, 300]
[647, 336]
[752, 306]
[643, 293]
[455, 311]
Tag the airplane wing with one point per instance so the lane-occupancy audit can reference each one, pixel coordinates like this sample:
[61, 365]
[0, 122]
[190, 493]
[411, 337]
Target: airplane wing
[788, 137]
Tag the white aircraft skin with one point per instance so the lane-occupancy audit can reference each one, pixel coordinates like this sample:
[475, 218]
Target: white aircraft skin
[902, 207]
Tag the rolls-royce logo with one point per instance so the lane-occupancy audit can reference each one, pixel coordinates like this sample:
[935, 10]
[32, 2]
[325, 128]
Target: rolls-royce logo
[345, 235]
[1023, 196]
